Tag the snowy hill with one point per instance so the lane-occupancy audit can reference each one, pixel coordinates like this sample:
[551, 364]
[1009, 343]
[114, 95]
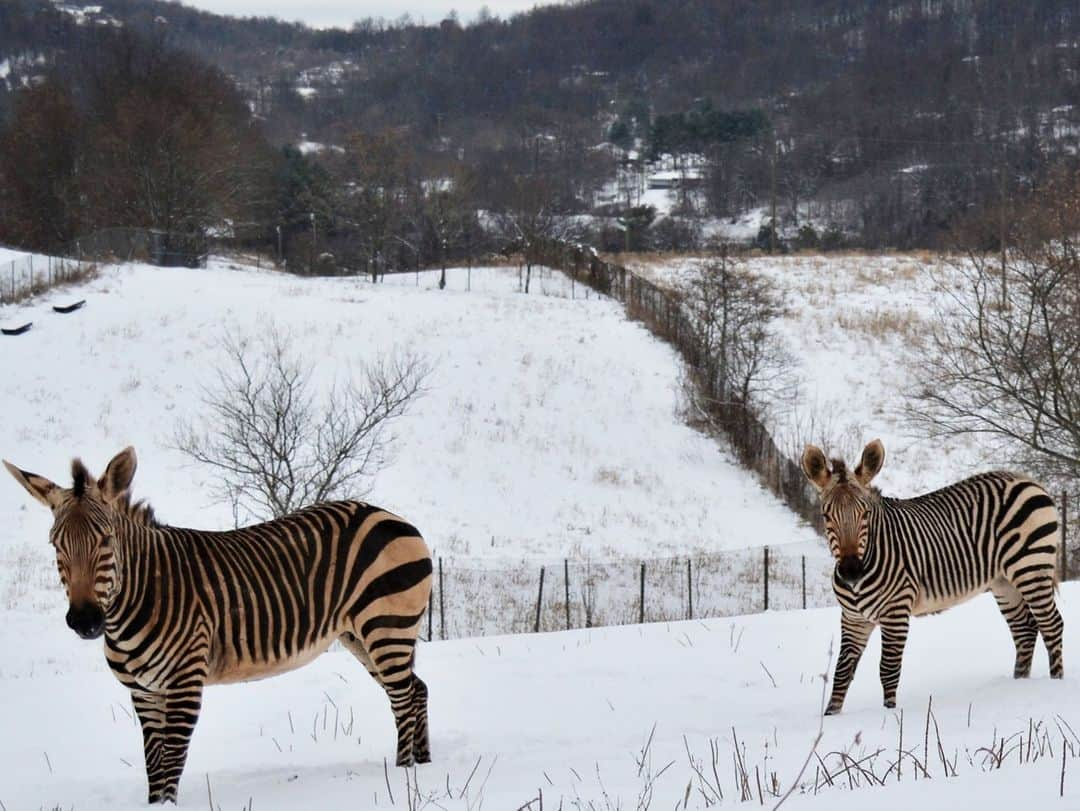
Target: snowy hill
[550, 428]
[854, 326]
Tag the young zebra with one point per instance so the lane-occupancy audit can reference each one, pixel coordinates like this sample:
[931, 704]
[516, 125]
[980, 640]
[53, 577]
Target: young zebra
[181, 608]
[899, 557]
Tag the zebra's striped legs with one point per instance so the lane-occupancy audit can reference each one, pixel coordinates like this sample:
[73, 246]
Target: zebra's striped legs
[1039, 596]
[421, 745]
[894, 631]
[1022, 624]
[854, 632]
[407, 694]
[168, 719]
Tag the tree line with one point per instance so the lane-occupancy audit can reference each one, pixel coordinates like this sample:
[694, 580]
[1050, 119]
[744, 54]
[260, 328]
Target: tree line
[887, 121]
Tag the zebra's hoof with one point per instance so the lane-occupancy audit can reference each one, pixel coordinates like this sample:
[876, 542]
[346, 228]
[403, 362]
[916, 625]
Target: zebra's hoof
[1059, 675]
[1021, 674]
[831, 710]
[890, 704]
[424, 758]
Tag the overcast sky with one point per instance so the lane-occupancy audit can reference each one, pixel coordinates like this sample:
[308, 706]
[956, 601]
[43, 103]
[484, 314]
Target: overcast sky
[342, 13]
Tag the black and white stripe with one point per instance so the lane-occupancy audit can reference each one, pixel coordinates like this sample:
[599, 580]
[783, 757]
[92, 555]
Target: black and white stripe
[902, 557]
[181, 608]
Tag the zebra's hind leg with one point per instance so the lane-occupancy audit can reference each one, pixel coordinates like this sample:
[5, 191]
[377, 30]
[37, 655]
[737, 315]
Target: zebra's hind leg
[1038, 592]
[421, 745]
[1022, 624]
[391, 667]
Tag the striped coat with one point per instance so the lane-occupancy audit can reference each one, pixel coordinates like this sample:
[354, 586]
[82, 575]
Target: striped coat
[181, 609]
[896, 558]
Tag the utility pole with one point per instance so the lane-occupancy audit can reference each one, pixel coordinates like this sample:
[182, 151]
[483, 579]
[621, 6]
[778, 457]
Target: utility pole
[1002, 227]
[772, 195]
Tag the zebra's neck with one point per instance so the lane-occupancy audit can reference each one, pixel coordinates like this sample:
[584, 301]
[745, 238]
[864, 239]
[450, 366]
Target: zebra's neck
[133, 545]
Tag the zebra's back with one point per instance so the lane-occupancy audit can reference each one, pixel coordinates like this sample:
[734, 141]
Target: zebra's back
[273, 596]
[956, 542]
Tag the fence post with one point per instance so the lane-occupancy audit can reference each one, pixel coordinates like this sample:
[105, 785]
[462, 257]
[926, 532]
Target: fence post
[539, 597]
[690, 588]
[766, 579]
[804, 581]
[1064, 536]
[566, 580]
[430, 612]
[641, 612]
[442, 604]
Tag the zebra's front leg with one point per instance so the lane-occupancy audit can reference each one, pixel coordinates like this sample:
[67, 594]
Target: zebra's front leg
[894, 632]
[168, 719]
[854, 633]
[150, 709]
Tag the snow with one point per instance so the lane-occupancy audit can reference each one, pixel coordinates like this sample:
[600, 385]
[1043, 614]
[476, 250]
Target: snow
[545, 413]
[568, 713]
[550, 428]
[855, 326]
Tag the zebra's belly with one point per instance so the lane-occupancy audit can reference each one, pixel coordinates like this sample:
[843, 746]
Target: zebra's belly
[932, 604]
[232, 670]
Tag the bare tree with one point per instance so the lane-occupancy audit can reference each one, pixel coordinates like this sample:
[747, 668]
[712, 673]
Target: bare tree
[532, 217]
[276, 445]
[743, 362]
[1011, 374]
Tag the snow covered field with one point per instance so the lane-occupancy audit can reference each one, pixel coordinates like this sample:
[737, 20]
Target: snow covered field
[569, 714]
[855, 325]
[549, 429]
[547, 414]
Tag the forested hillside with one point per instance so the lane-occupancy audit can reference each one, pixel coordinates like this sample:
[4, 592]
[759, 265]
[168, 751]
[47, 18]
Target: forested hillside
[885, 121]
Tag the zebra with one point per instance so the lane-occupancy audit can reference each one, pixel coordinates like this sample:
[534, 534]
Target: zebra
[896, 558]
[181, 608]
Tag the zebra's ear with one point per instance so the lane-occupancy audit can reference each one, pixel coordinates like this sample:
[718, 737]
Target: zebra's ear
[816, 467]
[117, 477]
[39, 487]
[873, 457]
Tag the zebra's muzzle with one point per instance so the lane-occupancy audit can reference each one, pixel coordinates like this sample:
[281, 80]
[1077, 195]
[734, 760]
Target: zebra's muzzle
[850, 569]
[88, 621]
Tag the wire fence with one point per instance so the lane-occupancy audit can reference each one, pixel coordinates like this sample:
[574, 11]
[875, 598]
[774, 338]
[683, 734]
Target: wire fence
[470, 599]
[35, 273]
[663, 312]
[32, 274]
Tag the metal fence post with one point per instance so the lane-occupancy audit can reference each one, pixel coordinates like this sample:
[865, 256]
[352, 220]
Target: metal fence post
[690, 588]
[566, 581]
[539, 598]
[641, 613]
[1064, 536]
[804, 581]
[766, 579]
[442, 603]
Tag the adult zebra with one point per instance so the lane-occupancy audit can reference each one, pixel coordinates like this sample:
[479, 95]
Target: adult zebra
[181, 608]
[899, 557]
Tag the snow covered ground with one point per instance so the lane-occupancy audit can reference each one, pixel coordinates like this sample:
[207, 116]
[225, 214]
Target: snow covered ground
[546, 414]
[550, 428]
[569, 714]
[855, 325]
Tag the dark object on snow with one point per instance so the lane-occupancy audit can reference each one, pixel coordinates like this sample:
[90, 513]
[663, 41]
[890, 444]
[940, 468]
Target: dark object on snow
[69, 308]
[17, 330]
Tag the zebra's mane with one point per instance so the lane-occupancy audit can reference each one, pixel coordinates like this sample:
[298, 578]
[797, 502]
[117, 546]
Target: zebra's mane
[139, 511]
[79, 477]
